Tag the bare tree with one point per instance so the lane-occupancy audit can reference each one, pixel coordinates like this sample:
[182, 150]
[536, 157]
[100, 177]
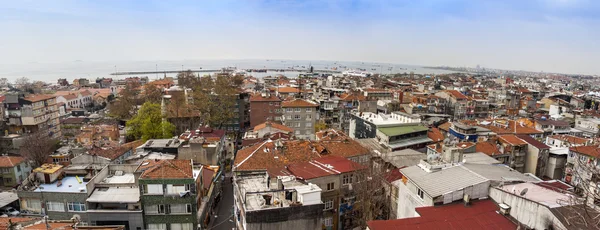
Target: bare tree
[37, 147]
[124, 107]
[187, 79]
[370, 202]
[216, 99]
[581, 209]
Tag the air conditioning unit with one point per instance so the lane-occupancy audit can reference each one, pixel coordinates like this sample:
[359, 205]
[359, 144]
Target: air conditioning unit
[504, 209]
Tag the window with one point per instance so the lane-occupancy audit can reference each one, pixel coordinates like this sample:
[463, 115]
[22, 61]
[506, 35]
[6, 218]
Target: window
[33, 204]
[308, 110]
[289, 110]
[76, 207]
[330, 186]
[177, 188]
[298, 110]
[308, 116]
[297, 125]
[8, 180]
[180, 208]
[270, 111]
[328, 205]
[182, 226]
[155, 209]
[420, 193]
[328, 222]
[276, 103]
[157, 226]
[308, 125]
[5, 170]
[347, 179]
[270, 103]
[154, 189]
[53, 206]
[297, 132]
[278, 118]
[296, 117]
[289, 117]
[18, 168]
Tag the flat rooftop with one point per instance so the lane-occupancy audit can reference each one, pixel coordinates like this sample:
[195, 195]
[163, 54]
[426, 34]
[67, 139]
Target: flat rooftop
[115, 195]
[538, 194]
[378, 119]
[161, 143]
[70, 184]
[127, 178]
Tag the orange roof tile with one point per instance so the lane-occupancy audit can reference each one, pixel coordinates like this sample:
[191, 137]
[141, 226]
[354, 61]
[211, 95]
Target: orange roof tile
[487, 147]
[298, 103]
[274, 125]
[39, 97]
[10, 161]
[288, 90]
[571, 139]
[456, 94]
[591, 150]
[330, 134]
[265, 155]
[435, 134]
[512, 140]
[344, 148]
[445, 126]
[167, 169]
[4, 221]
[259, 97]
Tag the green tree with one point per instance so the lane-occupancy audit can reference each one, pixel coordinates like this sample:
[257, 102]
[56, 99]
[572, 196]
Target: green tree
[320, 126]
[148, 123]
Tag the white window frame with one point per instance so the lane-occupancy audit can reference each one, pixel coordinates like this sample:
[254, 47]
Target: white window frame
[157, 226]
[297, 117]
[71, 206]
[182, 226]
[308, 110]
[328, 205]
[332, 187]
[420, 193]
[308, 125]
[180, 208]
[154, 189]
[173, 189]
[55, 206]
[298, 110]
[347, 179]
[29, 203]
[289, 110]
[328, 222]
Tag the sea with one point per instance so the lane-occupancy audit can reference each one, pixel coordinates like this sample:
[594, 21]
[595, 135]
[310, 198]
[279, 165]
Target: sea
[50, 72]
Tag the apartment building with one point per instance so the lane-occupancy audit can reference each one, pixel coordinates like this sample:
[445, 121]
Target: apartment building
[30, 114]
[13, 170]
[168, 194]
[300, 115]
[265, 107]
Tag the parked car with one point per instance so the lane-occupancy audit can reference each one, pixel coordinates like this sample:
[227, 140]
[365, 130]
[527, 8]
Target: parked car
[9, 211]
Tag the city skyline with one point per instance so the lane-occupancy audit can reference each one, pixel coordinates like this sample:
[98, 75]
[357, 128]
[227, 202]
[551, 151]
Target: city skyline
[549, 36]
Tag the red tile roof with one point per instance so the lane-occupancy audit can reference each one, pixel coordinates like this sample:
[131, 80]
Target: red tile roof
[321, 167]
[488, 148]
[330, 135]
[10, 161]
[354, 96]
[592, 150]
[571, 139]
[393, 175]
[288, 90]
[512, 140]
[265, 155]
[456, 94]
[298, 103]
[273, 125]
[4, 221]
[166, 169]
[110, 153]
[39, 97]
[435, 134]
[533, 142]
[207, 177]
[479, 215]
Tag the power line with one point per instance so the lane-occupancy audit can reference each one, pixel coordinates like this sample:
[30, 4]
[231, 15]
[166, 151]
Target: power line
[222, 222]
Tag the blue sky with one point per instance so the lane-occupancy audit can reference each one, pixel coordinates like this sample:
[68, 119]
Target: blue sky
[537, 35]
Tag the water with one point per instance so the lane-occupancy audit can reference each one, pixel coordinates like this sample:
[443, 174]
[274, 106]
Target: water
[50, 72]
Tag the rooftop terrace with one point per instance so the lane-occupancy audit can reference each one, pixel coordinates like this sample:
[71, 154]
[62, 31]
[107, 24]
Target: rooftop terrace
[69, 184]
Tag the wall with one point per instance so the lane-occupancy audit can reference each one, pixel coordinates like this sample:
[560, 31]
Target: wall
[525, 211]
[531, 159]
[57, 197]
[300, 217]
[407, 202]
[165, 199]
[134, 218]
[261, 110]
[556, 167]
[304, 132]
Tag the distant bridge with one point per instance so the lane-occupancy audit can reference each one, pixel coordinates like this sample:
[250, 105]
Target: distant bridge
[221, 70]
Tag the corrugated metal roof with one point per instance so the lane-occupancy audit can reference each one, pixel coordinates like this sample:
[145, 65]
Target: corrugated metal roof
[498, 172]
[440, 182]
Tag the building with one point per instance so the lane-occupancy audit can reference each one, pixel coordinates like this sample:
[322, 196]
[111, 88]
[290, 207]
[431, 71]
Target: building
[481, 214]
[168, 194]
[537, 156]
[114, 155]
[300, 115]
[267, 128]
[403, 137]
[566, 141]
[81, 82]
[457, 104]
[589, 126]
[75, 100]
[516, 149]
[32, 113]
[365, 124]
[264, 107]
[551, 127]
[98, 135]
[264, 202]
[13, 170]
[335, 175]
[47, 191]
[114, 197]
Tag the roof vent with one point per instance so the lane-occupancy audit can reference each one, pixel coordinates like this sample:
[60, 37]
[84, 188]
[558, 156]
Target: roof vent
[504, 209]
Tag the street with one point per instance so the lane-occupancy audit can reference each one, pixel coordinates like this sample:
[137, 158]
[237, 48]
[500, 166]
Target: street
[224, 210]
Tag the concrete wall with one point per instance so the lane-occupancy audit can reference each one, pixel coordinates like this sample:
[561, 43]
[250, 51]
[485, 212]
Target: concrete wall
[134, 218]
[57, 197]
[304, 132]
[527, 212]
[407, 202]
[536, 160]
[300, 217]
[556, 167]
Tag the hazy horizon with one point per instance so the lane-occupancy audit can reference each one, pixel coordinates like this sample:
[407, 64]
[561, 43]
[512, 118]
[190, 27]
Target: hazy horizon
[538, 35]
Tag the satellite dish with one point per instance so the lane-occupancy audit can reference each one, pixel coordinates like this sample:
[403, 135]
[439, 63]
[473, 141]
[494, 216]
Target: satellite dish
[524, 192]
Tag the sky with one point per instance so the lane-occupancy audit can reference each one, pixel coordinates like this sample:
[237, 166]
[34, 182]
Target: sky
[536, 35]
